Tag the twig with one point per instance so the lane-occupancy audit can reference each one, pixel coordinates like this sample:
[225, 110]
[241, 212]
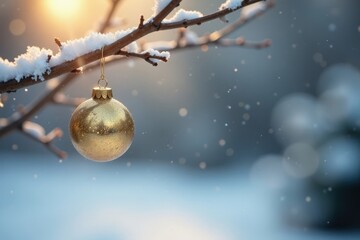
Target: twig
[141, 24]
[58, 42]
[47, 141]
[241, 42]
[146, 56]
[77, 71]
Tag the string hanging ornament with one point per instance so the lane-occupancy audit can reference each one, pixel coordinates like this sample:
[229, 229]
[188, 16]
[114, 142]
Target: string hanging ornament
[101, 128]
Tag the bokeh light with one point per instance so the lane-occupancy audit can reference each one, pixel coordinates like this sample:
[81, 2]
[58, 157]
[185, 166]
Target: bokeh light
[340, 161]
[17, 27]
[267, 172]
[339, 88]
[300, 160]
[296, 118]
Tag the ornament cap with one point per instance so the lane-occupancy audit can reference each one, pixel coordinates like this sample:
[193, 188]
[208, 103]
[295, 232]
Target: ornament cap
[102, 93]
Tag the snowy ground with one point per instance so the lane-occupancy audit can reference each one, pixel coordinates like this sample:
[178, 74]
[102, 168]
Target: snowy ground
[76, 199]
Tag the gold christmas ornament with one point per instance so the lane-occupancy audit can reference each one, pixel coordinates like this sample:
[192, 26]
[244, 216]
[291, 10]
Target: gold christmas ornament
[101, 128]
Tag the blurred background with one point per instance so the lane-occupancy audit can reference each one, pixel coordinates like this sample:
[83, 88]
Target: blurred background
[230, 143]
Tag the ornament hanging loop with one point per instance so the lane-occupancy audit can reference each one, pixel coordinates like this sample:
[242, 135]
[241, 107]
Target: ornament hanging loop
[102, 71]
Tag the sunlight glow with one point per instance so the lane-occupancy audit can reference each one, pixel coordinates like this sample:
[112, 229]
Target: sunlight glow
[64, 8]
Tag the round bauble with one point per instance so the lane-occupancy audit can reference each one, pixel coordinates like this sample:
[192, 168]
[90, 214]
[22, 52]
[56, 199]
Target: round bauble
[101, 128]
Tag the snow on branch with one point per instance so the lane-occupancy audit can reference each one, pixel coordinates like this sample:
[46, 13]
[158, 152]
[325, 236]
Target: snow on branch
[182, 15]
[232, 4]
[253, 10]
[206, 18]
[161, 10]
[156, 54]
[94, 41]
[36, 62]
[160, 5]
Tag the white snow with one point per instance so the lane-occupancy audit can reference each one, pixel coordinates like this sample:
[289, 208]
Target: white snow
[154, 52]
[93, 41]
[231, 4]
[34, 61]
[183, 15]
[160, 5]
[178, 16]
[132, 47]
[253, 9]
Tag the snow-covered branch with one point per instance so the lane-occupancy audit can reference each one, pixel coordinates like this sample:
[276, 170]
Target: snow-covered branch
[41, 64]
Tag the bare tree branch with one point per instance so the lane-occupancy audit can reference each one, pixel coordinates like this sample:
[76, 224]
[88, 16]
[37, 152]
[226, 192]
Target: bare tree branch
[46, 140]
[146, 56]
[58, 42]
